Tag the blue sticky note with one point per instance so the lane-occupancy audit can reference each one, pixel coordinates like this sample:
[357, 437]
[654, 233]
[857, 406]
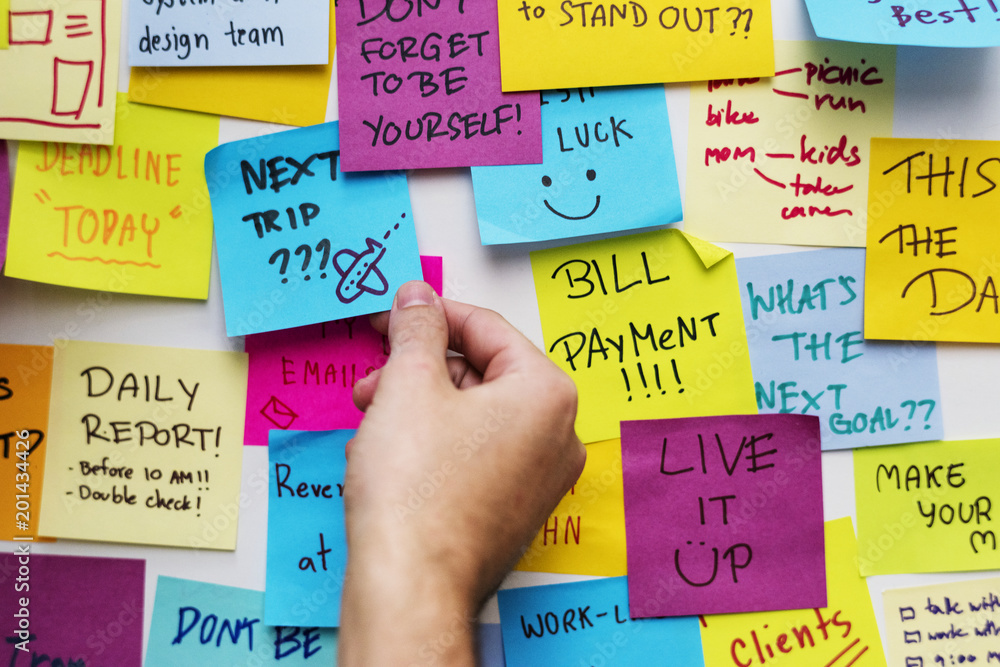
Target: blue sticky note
[301, 242]
[804, 319]
[195, 623]
[165, 33]
[608, 166]
[490, 646]
[306, 543]
[934, 23]
[587, 623]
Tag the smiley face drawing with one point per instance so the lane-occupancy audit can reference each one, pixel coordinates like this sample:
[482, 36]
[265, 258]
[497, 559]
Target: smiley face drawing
[591, 175]
[591, 180]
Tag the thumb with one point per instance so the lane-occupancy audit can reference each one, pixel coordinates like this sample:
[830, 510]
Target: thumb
[418, 337]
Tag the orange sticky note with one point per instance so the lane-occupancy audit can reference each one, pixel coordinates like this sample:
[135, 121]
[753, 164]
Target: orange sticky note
[931, 265]
[25, 384]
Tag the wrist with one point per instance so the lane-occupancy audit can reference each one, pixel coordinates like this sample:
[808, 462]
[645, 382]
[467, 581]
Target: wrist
[420, 597]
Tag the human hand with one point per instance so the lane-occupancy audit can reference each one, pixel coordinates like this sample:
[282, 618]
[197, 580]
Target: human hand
[456, 465]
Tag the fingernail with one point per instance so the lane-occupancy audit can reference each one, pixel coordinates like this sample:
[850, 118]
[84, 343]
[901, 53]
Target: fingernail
[414, 293]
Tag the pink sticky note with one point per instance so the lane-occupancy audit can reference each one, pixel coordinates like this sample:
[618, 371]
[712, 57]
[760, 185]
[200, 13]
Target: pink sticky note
[76, 609]
[4, 200]
[419, 86]
[303, 378]
[723, 514]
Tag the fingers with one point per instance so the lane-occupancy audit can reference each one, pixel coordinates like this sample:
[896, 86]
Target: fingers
[418, 336]
[380, 321]
[461, 373]
[364, 389]
[490, 343]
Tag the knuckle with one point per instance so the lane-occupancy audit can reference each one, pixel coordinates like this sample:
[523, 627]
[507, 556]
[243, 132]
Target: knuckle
[480, 319]
[562, 391]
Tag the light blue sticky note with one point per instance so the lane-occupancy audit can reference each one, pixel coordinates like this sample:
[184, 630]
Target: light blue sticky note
[301, 242]
[306, 543]
[925, 23]
[587, 623]
[490, 646]
[804, 319]
[174, 33]
[608, 166]
[195, 623]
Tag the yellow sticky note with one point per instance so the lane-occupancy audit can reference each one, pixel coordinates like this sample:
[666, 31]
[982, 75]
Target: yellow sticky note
[585, 534]
[932, 261]
[145, 445]
[928, 507]
[789, 154]
[952, 624]
[548, 44]
[4, 24]
[648, 325]
[25, 383]
[59, 74]
[133, 217]
[842, 633]
[292, 95]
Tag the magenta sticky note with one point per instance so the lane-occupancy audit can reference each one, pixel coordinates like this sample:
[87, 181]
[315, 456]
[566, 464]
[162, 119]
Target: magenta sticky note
[419, 86]
[72, 609]
[723, 514]
[303, 378]
[4, 200]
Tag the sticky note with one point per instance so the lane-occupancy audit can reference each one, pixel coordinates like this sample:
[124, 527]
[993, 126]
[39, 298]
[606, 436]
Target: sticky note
[585, 534]
[196, 623]
[931, 238]
[132, 217]
[953, 623]
[77, 610]
[299, 241]
[304, 378]
[306, 542]
[725, 513]
[4, 200]
[646, 325]
[597, 626]
[929, 24]
[804, 314]
[489, 647]
[548, 44]
[291, 95]
[419, 86]
[608, 165]
[4, 26]
[145, 445]
[60, 70]
[926, 507]
[168, 33]
[25, 385]
[844, 632]
[790, 153]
